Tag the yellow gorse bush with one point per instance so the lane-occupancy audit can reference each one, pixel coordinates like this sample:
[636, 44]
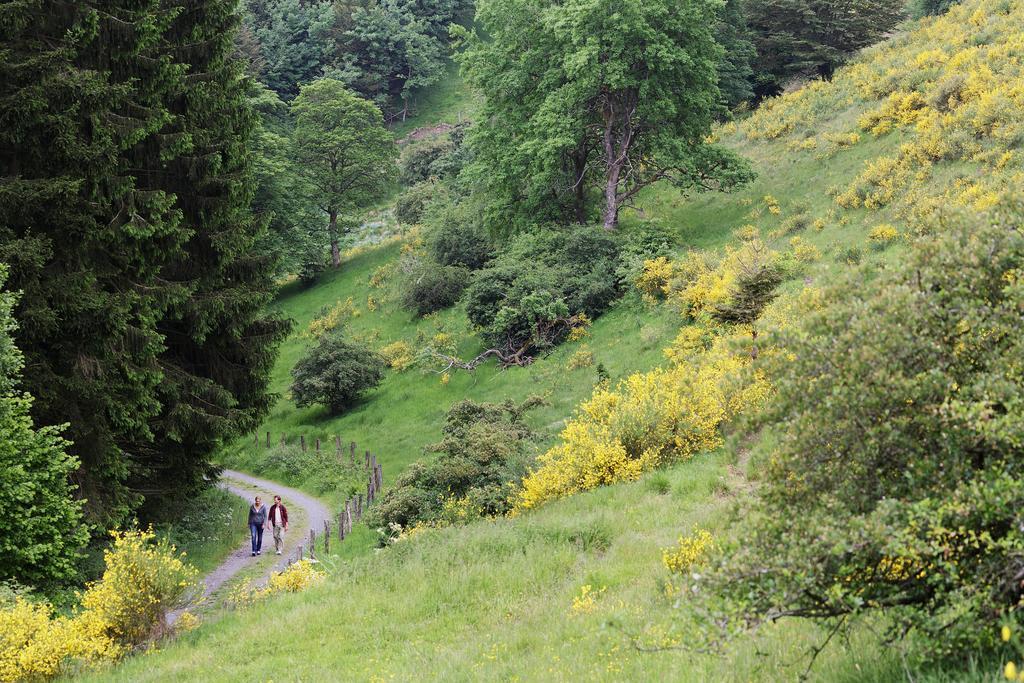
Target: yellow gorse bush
[296, 578]
[883, 235]
[585, 601]
[398, 355]
[688, 551]
[647, 421]
[339, 313]
[143, 580]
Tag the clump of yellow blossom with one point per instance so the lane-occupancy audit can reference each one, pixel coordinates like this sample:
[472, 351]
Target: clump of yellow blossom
[689, 551]
[398, 355]
[883, 235]
[585, 601]
[125, 609]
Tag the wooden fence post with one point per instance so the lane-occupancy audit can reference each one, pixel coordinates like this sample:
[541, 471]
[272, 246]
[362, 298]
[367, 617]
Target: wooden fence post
[352, 453]
[348, 516]
[302, 442]
[284, 439]
[268, 439]
[257, 435]
[380, 476]
[341, 526]
[312, 544]
[359, 508]
[300, 553]
[327, 538]
[318, 445]
[337, 446]
[367, 459]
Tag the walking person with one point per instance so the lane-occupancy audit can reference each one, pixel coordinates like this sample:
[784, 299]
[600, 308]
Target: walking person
[257, 522]
[278, 522]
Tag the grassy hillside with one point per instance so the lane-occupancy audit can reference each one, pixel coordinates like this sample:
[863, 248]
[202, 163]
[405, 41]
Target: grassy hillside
[931, 119]
[494, 601]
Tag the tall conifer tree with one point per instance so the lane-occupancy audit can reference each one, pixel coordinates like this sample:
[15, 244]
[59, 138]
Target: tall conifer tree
[85, 244]
[219, 346]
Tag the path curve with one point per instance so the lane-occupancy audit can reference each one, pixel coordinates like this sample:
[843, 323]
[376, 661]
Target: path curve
[247, 486]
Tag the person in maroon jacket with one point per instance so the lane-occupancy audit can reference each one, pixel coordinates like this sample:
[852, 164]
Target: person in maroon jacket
[278, 521]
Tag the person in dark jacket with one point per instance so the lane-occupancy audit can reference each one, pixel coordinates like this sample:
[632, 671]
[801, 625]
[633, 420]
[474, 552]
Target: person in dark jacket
[278, 522]
[257, 522]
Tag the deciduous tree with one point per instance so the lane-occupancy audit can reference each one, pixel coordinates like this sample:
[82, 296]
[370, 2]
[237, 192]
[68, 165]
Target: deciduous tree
[41, 530]
[623, 96]
[342, 151]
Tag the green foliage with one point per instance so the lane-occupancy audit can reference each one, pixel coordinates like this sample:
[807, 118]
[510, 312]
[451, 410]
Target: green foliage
[609, 97]
[813, 37]
[390, 52]
[430, 287]
[218, 342]
[335, 372]
[896, 483]
[294, 41]
[41, 529]
[523, 300]
[280, 198]
[757, 280]
[412, 204]
[417, 160]
[456, 236]
[930, 8]
[125, 221]
[482, 456]
[343, 155]
[735, 69]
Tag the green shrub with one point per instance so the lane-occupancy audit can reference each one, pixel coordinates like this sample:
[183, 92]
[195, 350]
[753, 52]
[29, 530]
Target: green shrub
[41, 529]
[543, 278]
[456, 241]
[411, 205]
[930, 8]
[417, 158]
[483, 454]
[335, 372]
[429, 287]
[897, 482]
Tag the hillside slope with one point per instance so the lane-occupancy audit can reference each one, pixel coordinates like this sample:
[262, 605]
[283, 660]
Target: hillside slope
[933, 118]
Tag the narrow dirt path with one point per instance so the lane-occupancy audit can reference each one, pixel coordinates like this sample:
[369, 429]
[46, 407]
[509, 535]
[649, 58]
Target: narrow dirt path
[301, 506]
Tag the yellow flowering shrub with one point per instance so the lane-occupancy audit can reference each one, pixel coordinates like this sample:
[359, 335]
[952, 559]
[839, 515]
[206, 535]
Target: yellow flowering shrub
[398, 355]
[297, 577]
[700, 282]
[583, 358]
[143, 580]
[883, 235]
[689, 551]
[654, 280]
[585, 601]
[648, 420]
[328, 322]
[581, 325]
[379, 278]
[899, 109]
[803, 251]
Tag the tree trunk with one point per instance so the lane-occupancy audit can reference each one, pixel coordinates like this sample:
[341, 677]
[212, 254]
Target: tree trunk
[611, 197]
[618, 139]
[580, 191]
[335, 249]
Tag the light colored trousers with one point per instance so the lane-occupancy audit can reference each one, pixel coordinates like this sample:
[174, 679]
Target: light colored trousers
[278, 538]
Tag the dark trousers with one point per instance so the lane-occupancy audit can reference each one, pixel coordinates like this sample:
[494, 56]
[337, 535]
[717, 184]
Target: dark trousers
[256, 532]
